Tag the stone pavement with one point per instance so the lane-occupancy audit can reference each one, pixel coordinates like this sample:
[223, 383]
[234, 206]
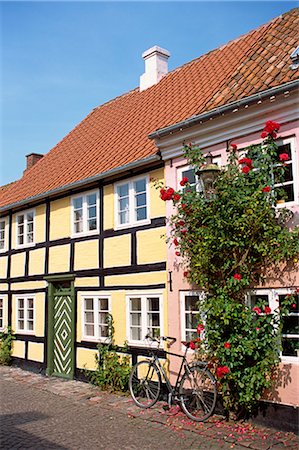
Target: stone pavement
[41, 412]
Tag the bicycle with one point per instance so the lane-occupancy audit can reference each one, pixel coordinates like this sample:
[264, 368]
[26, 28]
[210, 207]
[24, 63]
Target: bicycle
[195, 388]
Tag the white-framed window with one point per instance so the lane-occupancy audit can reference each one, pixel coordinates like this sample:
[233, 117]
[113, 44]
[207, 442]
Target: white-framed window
[132, 202]
[85, 209]
[288, 190]
[189, 172]
[25, 314]
[95, 312]
[290, 325]
[2, 312]
[190, 314]
[3, 235]
[25, 228]
[144, 316]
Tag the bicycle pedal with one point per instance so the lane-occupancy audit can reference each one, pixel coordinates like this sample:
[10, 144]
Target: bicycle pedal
[166, 407]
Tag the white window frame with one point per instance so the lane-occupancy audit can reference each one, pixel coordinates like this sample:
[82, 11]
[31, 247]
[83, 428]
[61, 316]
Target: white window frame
[132, 220]
[95, 296]
[294, 162]
[26, 319]
[3, 312]
[144, 312]
[216, 160]
[26, 242]
[183, 294]
[5, 231]
[273, 304]
[85, 230]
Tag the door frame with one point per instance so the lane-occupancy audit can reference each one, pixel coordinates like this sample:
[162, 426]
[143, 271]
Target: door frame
[50, 340]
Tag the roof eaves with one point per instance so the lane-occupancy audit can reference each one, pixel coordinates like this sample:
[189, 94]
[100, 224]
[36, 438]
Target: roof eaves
[194, 120]
[84, 182]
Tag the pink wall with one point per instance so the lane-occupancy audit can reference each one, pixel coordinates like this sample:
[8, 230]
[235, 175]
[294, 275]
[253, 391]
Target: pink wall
[286, 390]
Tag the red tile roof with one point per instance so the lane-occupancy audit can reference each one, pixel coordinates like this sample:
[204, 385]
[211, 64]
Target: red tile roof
[116, 133]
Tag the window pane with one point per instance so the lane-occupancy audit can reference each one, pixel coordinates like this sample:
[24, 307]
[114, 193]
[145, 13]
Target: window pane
[136, 334]
[290, 325]
[89, 318]
[153, 319]
[290, 346]
[140, 199]
[190, 335]
[123, 190]
[78, 214]
[103, 304]
[91, 199]
[124, 217]
[92, 212]
[21, 303]
[135, 319]
[141, 214]
[89, 303]
[78, 227]
[78, 203]
[89, 330]
[123, 204]
[191, 302]
[190, 174]
[103, 318]
[21, 314]
[140, 185]
[285, 193]
[21, 324]
[30, 302]
[153, 304]
[92, 224]
[135, 304]
[30, 325]
[30, 314]
[20, 220]
[103, 331]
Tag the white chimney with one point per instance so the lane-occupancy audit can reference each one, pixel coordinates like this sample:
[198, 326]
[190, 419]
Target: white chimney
[156, 66]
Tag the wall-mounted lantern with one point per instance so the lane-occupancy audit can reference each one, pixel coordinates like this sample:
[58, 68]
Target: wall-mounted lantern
[207, 175]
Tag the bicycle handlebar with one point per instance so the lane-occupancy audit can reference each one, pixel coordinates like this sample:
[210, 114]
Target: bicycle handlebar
[161, 338]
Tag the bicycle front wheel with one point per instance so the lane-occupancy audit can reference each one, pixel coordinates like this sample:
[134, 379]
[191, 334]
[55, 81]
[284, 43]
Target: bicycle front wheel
[198, 393]
[145, 384]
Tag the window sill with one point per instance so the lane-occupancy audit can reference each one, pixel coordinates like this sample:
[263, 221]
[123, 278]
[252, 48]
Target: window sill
[26, 333]
[133, 224]
[31, 244]
[83, 234]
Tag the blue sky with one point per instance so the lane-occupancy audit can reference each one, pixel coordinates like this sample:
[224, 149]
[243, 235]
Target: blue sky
[61, 59]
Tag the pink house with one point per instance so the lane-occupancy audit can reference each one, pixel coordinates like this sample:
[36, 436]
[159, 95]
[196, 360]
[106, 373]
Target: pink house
[236, 106]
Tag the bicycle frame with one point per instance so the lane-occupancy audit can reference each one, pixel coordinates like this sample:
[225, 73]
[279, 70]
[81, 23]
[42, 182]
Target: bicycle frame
[172, 391]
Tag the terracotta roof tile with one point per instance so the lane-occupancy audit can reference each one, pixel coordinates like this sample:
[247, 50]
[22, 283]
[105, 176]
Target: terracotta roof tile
[116, 133]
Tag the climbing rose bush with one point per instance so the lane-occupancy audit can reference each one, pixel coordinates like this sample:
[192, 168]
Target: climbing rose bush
[227, 244]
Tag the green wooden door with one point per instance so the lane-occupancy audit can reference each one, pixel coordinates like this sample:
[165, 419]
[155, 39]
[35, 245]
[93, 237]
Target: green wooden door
[61, 330]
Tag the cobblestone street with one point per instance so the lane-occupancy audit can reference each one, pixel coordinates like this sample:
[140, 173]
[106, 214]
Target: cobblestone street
[48, 413]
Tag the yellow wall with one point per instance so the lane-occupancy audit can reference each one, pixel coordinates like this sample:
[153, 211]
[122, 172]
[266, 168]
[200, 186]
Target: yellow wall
[18, 349]
[151, 247]
[157, 206]
[18, 265]
[40, 224]
[37, 261]
[117, 251]
[108, 207]
[86, 358]
[86, 255]
[147, 278]
[3, 266]
[59, 258]
[87, 281]
[118, 311]
[3, 287]
[36, 351]
[28, 285]
[60, 218]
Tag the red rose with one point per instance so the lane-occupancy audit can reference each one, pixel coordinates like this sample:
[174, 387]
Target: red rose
[247, 161]
[257, 329]
[272, 126]
[257, 310]
[226, 345]
[266, 189]
[176, 197]
[297, 290]
[245, 169]
[294, 306]
[177, 253]
[234, 146]
[192, 345]
[181, 222]
[185, 274]
[200, 328]
[175, 241]
[237, 276]
[221, 371]
[267, 310]
[184, 231]
[184, 181]
[284, 157]
[264, 134]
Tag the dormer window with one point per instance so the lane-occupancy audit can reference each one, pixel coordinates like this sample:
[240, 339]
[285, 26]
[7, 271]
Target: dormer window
[295, 59]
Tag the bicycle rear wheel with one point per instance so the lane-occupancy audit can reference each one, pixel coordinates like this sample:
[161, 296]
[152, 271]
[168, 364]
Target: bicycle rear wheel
[145, 384]
[198, 393]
